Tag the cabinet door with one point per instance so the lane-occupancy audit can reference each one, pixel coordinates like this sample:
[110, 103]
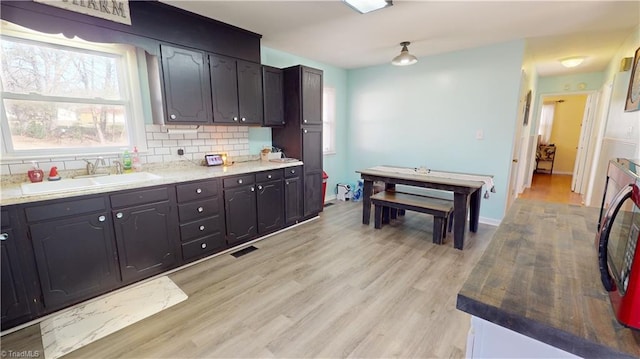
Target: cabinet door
[292, 200]
[224, 84]
[312, 148]
[249, 92]
[147, 238]
[187, 89]
[273, 97]
[15, 299]
[312, 193]
[240, 213]
[76, 258]
[270, 206]
[311, 96]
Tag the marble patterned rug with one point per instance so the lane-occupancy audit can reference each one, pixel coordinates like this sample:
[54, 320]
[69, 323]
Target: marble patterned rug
[90, 321]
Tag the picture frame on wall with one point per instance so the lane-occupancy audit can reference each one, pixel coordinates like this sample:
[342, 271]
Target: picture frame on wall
[527, 105]
[633, 93]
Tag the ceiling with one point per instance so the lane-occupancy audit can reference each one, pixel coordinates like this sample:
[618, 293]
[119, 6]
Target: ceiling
[332, 33]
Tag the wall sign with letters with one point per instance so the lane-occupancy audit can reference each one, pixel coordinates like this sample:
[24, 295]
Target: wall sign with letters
[112, 10]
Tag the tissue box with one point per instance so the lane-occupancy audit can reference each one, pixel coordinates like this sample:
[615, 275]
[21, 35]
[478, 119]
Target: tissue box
[270, 156]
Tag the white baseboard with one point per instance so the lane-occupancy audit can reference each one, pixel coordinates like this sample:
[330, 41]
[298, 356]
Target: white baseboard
[489, 221]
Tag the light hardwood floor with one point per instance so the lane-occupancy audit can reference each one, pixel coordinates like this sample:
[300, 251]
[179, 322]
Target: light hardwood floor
[329, 288]
[552, 188]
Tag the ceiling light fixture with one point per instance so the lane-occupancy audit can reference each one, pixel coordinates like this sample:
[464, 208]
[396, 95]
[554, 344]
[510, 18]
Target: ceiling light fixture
[405, 58]
[365, 6]
[572, 61]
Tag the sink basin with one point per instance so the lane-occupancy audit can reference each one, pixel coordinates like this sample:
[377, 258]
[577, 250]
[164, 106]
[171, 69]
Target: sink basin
[125, 178]
[74, 184]
[57, 186]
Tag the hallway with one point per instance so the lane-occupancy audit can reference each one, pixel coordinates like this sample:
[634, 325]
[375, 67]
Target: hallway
[552, 188]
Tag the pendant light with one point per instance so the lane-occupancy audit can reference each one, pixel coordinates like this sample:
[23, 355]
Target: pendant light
[405, 58]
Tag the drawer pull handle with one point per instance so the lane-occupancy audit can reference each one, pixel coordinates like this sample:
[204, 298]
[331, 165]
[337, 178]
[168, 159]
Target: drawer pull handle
[253, 189]
[173, 117]
[244, 119]
[102, 219]
[240, 181]
[201, 228]
[4, 236]
[200, 209]
[260, 187]
[203, 245]
[235, 119]
[119, 215]
[269, 176]
[199, 190]
[293, 171]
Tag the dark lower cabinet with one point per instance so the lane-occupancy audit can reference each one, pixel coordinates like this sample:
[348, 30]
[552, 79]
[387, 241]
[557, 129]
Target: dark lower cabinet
[240, 213]
[75, 257]
[14, 299]
[292, 200]
[270, 206]
[312, 193]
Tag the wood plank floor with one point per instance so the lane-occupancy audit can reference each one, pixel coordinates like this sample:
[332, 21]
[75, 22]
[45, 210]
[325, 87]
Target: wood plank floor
[552, 188]
[329, 288]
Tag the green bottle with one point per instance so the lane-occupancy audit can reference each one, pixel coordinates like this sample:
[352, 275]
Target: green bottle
[126, 161]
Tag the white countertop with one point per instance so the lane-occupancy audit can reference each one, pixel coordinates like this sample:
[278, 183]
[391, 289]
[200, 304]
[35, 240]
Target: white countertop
[11, 193]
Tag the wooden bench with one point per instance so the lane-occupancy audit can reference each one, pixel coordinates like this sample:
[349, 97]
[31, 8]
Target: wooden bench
[440, 209]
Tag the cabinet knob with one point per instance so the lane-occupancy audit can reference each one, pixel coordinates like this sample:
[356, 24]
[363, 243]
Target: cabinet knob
[173, 117]
[235, 119]
[244, 119]
[200, 209]
[260, 187]
[253, 189]
[203, 245]
[199, 190]
[269, 176]
[305, 131]
[305, 121]
[102, 218]
[293, 171]
[240, 181]
[4, 236]
[286, 182]
[119, 215]
[201, 228]
[283, 122]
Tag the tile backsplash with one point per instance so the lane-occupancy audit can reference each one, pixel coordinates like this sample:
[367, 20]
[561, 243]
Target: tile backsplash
[162, 147]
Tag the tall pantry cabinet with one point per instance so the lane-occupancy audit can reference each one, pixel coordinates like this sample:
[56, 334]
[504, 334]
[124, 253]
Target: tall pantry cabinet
[301, 136]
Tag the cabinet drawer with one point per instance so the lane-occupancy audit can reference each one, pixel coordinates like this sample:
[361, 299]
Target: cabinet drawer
[198, 209]
[64, 209]
[292, 172]
[135, 198]
[202, 246]
[4, 220]
[199, 228]
[191, 191]
[268, 176]
[239, 181]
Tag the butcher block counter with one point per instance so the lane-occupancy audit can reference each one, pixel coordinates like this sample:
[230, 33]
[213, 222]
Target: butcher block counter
[539, 277]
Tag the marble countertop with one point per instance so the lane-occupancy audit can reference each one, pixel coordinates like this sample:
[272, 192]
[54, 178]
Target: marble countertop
[539, 277]
[175, 172]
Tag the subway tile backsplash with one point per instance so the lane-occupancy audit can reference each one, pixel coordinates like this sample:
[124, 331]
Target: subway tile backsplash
[161, 147]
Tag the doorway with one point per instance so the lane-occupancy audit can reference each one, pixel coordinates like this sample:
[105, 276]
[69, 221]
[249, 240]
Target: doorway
[565, 133]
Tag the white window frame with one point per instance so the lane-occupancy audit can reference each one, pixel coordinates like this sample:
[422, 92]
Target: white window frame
[329, 120]
[129, 79]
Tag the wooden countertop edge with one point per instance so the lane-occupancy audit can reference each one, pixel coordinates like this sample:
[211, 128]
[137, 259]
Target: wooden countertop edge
[544, 333]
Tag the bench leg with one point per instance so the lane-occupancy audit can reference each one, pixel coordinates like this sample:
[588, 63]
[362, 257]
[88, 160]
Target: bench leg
[385, 215]
[450, 222]
[401, 212]
[377, 217]
[394, 213]
[438, 229]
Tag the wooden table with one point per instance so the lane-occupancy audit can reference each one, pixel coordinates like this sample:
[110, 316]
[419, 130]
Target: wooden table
[467, 195]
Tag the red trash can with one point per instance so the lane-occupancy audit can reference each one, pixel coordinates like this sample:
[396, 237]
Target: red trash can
[324, 185]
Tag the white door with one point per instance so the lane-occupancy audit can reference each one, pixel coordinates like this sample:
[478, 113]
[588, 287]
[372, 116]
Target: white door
[517, 143]
[586, 127]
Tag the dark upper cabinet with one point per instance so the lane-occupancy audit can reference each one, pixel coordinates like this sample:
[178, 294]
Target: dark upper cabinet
[74, 250]
[270, 201]
[240, 209]
[293, 204]
[311, 82]
[14, 304]
[272, 90]
[186, 83]
[237, 90]
[147, 234]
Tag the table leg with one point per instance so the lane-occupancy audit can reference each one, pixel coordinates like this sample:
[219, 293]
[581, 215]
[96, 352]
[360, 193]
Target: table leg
[460, 206]
[367, 191]
[474, 210]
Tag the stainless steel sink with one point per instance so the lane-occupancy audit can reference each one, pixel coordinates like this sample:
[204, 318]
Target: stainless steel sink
[80, 183]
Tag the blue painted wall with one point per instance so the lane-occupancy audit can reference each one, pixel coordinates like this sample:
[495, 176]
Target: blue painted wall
[428, 115]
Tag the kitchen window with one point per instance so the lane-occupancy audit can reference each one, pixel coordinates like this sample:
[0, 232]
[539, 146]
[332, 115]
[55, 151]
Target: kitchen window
[329, 120]
[67, 97]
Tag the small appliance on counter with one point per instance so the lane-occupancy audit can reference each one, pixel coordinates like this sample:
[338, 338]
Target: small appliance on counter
[617, 240]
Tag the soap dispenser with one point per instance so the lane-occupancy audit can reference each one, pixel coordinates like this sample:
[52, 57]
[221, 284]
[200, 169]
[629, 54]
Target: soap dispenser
[35, 174]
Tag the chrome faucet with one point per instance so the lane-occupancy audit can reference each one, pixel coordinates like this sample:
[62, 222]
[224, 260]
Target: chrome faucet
[93, 167]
